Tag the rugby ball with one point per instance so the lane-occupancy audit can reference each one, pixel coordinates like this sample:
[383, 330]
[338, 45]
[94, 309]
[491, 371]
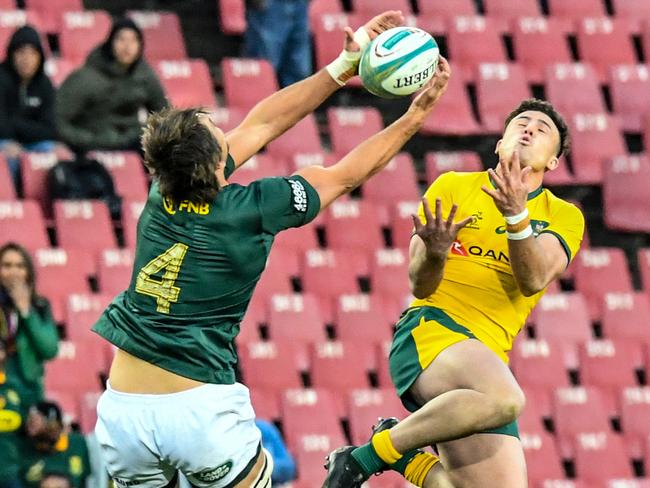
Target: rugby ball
[398, 62]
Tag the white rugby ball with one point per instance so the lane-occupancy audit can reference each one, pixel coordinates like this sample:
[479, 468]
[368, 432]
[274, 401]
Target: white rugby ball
[398, 62]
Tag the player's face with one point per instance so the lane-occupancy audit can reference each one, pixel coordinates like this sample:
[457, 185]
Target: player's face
[126, 47]
[13, 268]
[535, 136]
[27, 60]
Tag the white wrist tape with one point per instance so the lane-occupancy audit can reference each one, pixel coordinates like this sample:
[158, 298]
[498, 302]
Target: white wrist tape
[515, 219]
[345, 66]
[519, 236]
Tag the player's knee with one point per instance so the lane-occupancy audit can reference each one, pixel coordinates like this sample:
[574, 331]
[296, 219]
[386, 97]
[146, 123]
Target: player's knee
[510, 405]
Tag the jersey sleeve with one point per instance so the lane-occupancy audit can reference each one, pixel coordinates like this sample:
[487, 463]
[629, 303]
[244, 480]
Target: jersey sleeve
[287, 202]
[440, 188]
[568, 225]
[230, 166]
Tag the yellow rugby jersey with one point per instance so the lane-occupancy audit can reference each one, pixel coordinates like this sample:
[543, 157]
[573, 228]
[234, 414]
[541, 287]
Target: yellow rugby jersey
[478, 289]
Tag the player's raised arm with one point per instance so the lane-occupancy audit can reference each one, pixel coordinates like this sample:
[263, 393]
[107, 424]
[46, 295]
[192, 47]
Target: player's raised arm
[274, 115]
[375, 153]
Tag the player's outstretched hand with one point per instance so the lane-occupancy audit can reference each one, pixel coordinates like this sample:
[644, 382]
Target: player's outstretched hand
[433, 90]
[374, 27]
[438, 234]
[511, 193]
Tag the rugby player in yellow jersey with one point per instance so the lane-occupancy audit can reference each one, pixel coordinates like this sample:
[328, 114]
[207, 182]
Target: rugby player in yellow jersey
[476, 276]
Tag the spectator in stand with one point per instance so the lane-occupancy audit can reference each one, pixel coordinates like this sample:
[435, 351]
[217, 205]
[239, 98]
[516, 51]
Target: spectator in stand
[102, 104]
[26, 323]
[27, 120]
[10, 422]
[278, 30]
[55, 480]
[284, 467]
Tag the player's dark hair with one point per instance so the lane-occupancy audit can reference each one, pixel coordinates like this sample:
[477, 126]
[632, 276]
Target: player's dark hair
[27, 259]
[182, 153]
[548, 109]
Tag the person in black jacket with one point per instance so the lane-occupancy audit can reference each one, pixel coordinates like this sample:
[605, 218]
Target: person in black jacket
[27, 119]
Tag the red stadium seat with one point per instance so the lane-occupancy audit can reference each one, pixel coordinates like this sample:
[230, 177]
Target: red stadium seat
[634, 11]
[363, 317]
[187, 82]
[84, 224]
[538, 42]
[59, 69]
[22, 222]
[341, 365]
[311, 450]
[266, 404]
[629, 84]
[370, 8]
[330, 273]
[295, 317]
[645, 35]
[577, 9]
[351, 126]
[609, 364]
[76, 369]
[561, 483]
[227, 118]
[595, 137]
[511, 9]
[604, 42]
[366, 406]
[88, 412]
[382, 352]
[561, 176]
[7, 190]
[599, 271]
[247, 81]
[643, 260]
[34, 167]
[389, 272]
[578, 410]
[573, 88]
[625, 195]
[625, 316]
[232, 15]
[82, 311]
[453, 113]
[115, 269]
[447, 9]
[301, 138]
[395, 182]
[600, 456]
[328, 34]
[500, 87]
[127, 171]
[7, 4]
[131, 211]
[542, 458]
[354, 224]
[281, 266]
[10, 20]
[401, 222]
[258, 167]
[298, 239]
[50, 11]
[273, 366]
[473, 40]
[320, 8]
[163, 38]
[635, 419]
[309, 411]
[298, 161]
[539, 363]
[81, 32]
[438, 162]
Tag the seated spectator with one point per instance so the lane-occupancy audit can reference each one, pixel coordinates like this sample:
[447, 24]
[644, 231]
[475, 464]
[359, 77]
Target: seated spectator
[27, 120]
[47, 447]
[10, 422]
[284, 467]
[100, 105]
[55, 480]
[26, 323]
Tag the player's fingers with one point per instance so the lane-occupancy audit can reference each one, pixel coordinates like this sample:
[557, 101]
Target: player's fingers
[493, 193]
[452, 215]
[496, 179]
[427, 212]
[464, 222]
[438, 211]
[417, 224]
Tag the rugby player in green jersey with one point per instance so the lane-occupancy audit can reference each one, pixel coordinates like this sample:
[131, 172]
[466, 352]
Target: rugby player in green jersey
[172, 403]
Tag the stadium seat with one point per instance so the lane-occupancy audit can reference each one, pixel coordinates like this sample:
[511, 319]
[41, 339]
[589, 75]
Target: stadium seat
[186, 82]
[596, 137]
[227, 118]
[634, 11]
[600, 456]
[82, 311]
[295, 317]
[395, 182]
[539, 396]
[81, 32]
[573, 88]
[320, 8]
[453, 113]
[500, 87]
[577, 9]
[382, 352]
[538, 42]
[635, 419]
[33, 168]
[341, 365]
[58, 69]
[604, 42]
[309, 411]
[281, 267]
[83, 224]
[625, 196]
[363, 317]
[266, 404]
[247, 81]
[389, 272]
[539, 363]
[643, 261]
[127, 171]
[354, 224]
[23, 222]
[50, 11]
[88, 412]
[447, 9]
[561, 483]
[7, 4]
[298, 239]
[610, 364]
[114, 271]
[301, 138]
[163, 38]
[371, 8]
[7, 190]
[366, 406]
[327, 29]
[256, 316]
[542, 458]
[625, 316]
[10, 20]
[232, 15]
[473, 40]
[438, 162]
[599, 271]
[349, 126]
[258, 167]
[131, 211]
[272, 366]
[629, 84]
[299, 161]
[310, 451]
[511, 9]
[76, 369]
[401, 222]
[561, 176]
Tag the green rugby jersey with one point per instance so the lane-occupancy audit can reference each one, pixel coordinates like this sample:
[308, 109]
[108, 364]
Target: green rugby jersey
[195, 270]
[11, 419]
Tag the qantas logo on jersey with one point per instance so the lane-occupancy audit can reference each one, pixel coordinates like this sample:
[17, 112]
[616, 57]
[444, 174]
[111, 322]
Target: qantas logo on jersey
[299, 195]
[458, 249]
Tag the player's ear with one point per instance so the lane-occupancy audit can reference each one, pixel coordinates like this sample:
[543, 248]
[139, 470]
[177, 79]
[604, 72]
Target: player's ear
[552, 164]
[496, 149]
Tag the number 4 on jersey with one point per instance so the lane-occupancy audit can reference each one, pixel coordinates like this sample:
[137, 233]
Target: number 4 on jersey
[162, 290]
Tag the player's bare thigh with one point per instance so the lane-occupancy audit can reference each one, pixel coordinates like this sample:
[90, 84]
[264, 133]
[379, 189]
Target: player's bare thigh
[484, 461]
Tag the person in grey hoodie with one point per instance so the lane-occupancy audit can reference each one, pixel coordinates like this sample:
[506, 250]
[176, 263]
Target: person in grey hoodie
[99, 106]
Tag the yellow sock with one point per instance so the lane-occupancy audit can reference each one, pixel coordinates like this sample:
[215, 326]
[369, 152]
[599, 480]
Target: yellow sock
[383, 446]
[417, 470]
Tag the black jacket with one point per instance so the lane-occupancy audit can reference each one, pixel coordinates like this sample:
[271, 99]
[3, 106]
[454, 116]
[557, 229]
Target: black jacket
[26, 112]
